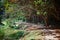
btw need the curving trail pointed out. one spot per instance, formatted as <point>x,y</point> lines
<point>39,32</point>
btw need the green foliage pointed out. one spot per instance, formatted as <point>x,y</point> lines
<point>10,34</point>
<point>45,13</point>
<point>1,33</point>
<point>14,12</point>
<point>38,13</point>
<point>38,2</point>
<point>41,7</point>
<point>32,39</point>
<point>17,35</point>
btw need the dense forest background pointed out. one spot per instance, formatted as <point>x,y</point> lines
<point>15,12</point>
<point>34,11</point>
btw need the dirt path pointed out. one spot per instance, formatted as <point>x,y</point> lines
<point>43,34</point>
<point>38,32</point>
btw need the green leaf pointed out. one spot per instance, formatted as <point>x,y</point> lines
<point>38,12</point>
<point>45,13</point>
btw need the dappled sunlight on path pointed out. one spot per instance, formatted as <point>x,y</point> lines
<point>43,34</point>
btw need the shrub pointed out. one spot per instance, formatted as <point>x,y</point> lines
<point>1,34</point>
<point>16,35</point>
